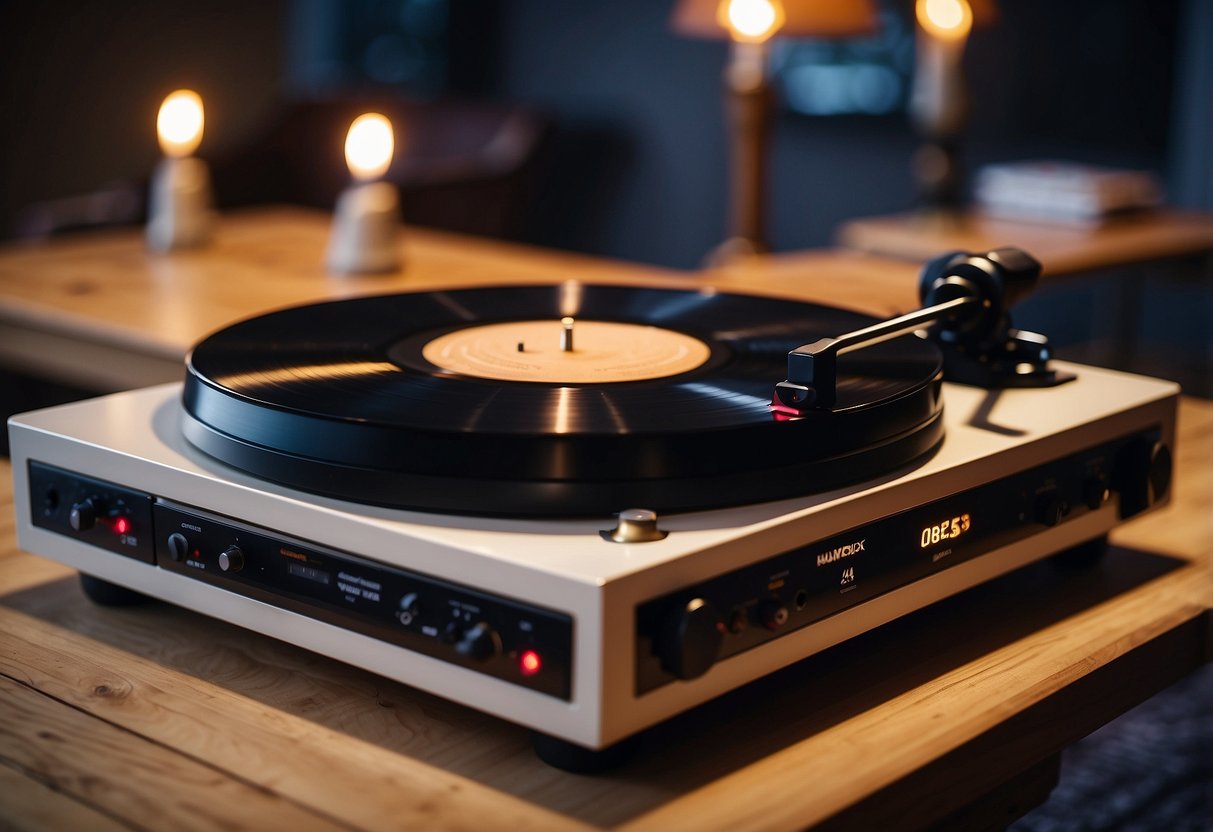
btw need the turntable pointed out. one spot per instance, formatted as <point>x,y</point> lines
<point>588,508</point>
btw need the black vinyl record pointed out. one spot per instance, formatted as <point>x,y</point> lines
<point>346,399</point>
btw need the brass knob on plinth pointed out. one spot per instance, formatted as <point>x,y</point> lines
<point>635,525</point>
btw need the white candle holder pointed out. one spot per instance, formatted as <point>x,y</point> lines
<point>366,230</point>
<point>180,213</point>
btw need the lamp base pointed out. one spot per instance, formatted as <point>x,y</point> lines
<point>939,173</point>
<point>734,249</point>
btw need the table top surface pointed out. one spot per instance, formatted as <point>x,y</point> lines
<point>157,717</point>
<point>1062,248</point>
<point>144,311</point>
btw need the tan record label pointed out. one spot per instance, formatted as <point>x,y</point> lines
<point>566,352</point>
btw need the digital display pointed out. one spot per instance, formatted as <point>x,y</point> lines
<point>949,529</point>
<point>308,572</point>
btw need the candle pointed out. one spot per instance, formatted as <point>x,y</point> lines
<point>938,101</point>
<point>179,200</point>
<point>367,219</point>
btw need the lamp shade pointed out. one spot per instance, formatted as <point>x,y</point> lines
<point>985,13</point>
<point>802,18</point>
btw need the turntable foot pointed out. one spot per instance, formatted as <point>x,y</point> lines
<point>105,594</point>
<point>578,759</point>
<point>1082,556</point>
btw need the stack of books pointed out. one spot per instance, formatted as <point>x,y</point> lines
<point>1063,191</point>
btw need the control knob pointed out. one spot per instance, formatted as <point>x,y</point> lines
<point>1141,475</point>
<point>231,559</point>
<point>1050,509</point>
<point>1096,491</point>
<point>178,546</point>
<point>479,642</point>
<point>689,642</point>
<point>83,515</point>
<point>410,608</point>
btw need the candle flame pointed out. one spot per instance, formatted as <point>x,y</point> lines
<point>752,21</point>
<point>179,123</point>
<point>369,146</point>
<point>947,19</point>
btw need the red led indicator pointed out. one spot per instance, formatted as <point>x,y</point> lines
<point>122,525</point>
<point>529,663</point>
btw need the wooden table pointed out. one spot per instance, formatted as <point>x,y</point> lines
<point>1061,248</point>
<point>100,312</point>
<point>155,717</point>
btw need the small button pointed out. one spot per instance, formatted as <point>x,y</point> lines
<point>739,621</point>
<point>1096,492</point>
<point>1050,509</point>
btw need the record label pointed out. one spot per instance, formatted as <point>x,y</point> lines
<point>566,351</point>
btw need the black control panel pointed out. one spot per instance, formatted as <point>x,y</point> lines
<point>93,511</point>
<point>682,634</point>
<point>517,642</point>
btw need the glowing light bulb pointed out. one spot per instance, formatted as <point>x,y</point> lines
<point>752,21</point>
<point>947,19</point>
<point>179,123</point>
<point>369,146</point>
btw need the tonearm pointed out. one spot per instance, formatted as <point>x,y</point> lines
<point>966,298</point>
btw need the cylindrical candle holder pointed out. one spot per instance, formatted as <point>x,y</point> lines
<point>180,214</point>
<point>366,226</point>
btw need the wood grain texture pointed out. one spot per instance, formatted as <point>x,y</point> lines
<point>32,805</point>
<point>100,312</point>
<point>122,775</point>
<point>108,285</point>
<point>251,710</point>
<point>1060,247</point>
<point>868,283</point>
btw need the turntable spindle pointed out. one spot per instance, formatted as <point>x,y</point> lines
<point>566,334</point>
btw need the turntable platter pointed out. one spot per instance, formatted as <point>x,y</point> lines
<point>553,400</point>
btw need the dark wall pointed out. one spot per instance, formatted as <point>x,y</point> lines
<point>639,163</point>
<point>638,167</point>
<point>81,82</point>
<point>635,167</point>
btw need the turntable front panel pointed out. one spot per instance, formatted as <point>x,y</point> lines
<point>563,564</point>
